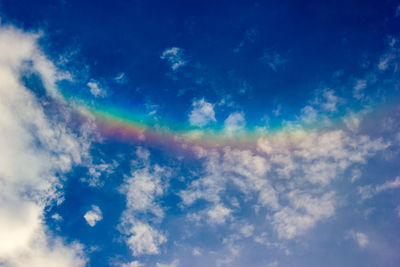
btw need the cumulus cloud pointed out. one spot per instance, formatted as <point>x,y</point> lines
<point>321,157</point>
<point>36,149</point>
<point>174,56</point>
<point>144,239</point>
<point>93,216</point>
<point>309,114</point>
<point>246,230</point>
<point>218,214</point>
<point>142,188</point>
<point>95,89</point>
<point>144,185</point>
<point>235,123</point>
<point>303,213</point>
<point>240,167</point>
<point>202,113</point>
<point>289,175</point>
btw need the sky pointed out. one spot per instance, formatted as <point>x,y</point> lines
<point>199,133</point>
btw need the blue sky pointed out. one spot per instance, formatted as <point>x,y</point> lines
<point>199,133</point>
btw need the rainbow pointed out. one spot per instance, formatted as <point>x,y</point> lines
<point>127,126</point>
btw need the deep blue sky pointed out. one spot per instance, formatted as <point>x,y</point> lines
<point>311,87</point>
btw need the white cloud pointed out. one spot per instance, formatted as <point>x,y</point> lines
<point>202,113</point>
<point>320,156</point>
<point>93,216</point>
<point>95,89</point>
<point>329,101</point>
<point>306,160</point>
<point>389,59</point>
<point>304,213</point>
<point>142,188</point>
<point>219,214</point>
<point>97,171</point>
<point>241,168</point>
<point>174,56</point>
<point>34,148</point>
<point>246,230</point>
<point>196,252</point>
<point>369,191</point>
<point>174,263</point>
<point>359,237</point>
<point>144,239</point>
<point>309,114</point>
<point>235,123</point>
<point>358,90</point>
<point>57,217</point>
<point>389,185</point>
<point>144,185</point>
<point>132,264</point>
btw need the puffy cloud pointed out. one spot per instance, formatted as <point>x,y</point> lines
<point>142,188</point>
<point>246,230</point>
<point>174,56</point>
<point>95,89</point>
<point>241,168</point>
<point>202,113</point>
<point>144,239</point>
<point>329,101</point>
<point>36,149</point>
<point>93,216</point>
<point>235,123</point>
<point>309,114</point>
<point>360,238</point>
<point>144,185</point>
<point>289,175</point>
<point>218,214</point>
<point>304,212</point>
<point>320,156</point>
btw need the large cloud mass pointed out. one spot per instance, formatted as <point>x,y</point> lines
<point>35,151</point>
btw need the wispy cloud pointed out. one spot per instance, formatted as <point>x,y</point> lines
<point>369,191</point>
<point>274,60</point>
<point>175,57</point>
